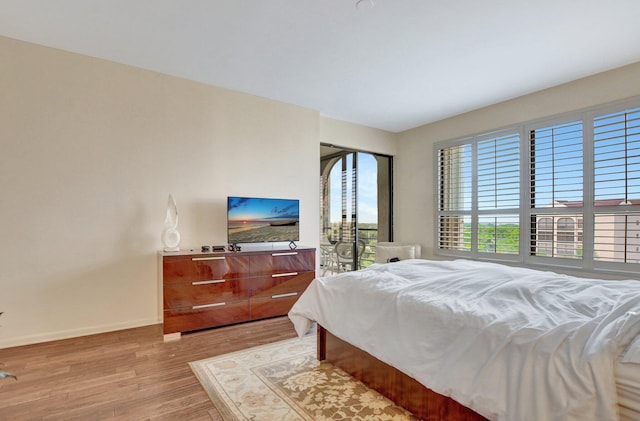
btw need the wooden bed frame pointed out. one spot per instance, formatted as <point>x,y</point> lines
<point>390,382</point>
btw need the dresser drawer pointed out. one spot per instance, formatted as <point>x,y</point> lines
<point>187,319</point>
<point>283,261</point>
<point>204,268</point>
<point>188,294</point>
<point>271,285</point>
<point>262,307</point>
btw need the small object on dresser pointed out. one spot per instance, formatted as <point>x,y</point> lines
<point>170,235</point>
<point>217,248</point>
<point>206,249</point>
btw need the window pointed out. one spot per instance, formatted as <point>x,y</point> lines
<point>578,175</point>
<point>556,187</point>
<point>479,195</point>
<point>616,146</point>
<point>455,232</point>
<point>557,237</point>
<point>454,197</point>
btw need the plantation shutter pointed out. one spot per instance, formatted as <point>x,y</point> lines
<point>578,176</point>
<point>454,197</point>
<point>616,146</point>
<point>498,194</point>
<point>556,190</point>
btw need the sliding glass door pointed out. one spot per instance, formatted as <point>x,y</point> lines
<point>356,207</point>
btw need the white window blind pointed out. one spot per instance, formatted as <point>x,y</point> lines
<point>557,236</point>
<point>579,176</point>
<point>498,190</point>
<point>454,232</point>
<point>498,178</point>
<point>498,234</point>
<point>556,190</point>
<point>556,165</point>
<point>454,173</point>
<point>617,237</point>
<point>454,197</point>
<point>616,146</point>
<point>479,195</point>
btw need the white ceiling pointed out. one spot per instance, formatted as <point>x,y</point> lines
<point>394,66</point>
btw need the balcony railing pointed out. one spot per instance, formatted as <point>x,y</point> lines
<point>369,235</point>
<point>370,238</point>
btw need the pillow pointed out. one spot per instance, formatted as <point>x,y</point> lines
<point>386,251</point>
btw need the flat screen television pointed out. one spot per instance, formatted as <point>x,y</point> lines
<point>259,220</point>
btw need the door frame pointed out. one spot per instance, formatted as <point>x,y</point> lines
<point>327,163</point>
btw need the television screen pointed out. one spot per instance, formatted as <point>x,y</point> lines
<point>257,220</point>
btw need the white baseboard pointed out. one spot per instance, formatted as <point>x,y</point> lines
<point>74,333</point>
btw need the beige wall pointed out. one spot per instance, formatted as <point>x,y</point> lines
<point>90,151</point>
<point>414,190</point>
<point>352,136</point>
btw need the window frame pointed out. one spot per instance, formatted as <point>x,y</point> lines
<point>448,213</point>
<point>585,216</point>
<point>553,212</point>
<point>598,265</point>
<point>474,213</point>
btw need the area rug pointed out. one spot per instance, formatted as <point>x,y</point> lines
<point>284,381</point>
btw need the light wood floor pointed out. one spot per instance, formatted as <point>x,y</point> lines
<point>126,375</point>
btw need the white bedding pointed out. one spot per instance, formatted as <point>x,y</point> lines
<point>510,343</point>
<point>628,386</point>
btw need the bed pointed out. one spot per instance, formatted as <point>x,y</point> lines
<point>465,340</point>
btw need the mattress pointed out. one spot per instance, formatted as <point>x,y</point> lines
<point>628,386</point>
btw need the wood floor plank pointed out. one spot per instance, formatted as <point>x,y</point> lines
<point>125,375</point>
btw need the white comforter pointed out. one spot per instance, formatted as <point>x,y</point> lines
<point>511,343</point>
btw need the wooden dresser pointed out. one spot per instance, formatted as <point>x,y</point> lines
<point>202,290</point>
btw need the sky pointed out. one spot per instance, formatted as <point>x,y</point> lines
<point>367,190</point>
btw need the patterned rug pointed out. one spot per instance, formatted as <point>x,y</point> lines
<point>284,381</point>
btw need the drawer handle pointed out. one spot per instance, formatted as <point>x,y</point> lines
<point>277,275</point>
<point>288,253</point>
<point>196,259</point>
<point>207,306</point>
<point>290,294</point>
<point>214,281</point>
